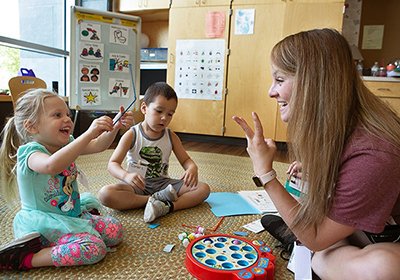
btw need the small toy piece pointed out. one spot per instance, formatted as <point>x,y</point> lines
<point>186,238</point>
<point>168,248</point>
<point>200,231</point>
<point>207,229</point>
<point>240,233</point>
<point>183,237</point>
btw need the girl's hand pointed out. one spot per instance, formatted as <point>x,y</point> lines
<point>190,177</point>
<point>295,169</point>
<point>134,180</point>
<point>126,120</point>
<point>100,125</point>
<point>261,150</point>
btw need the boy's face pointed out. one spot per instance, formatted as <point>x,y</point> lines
<point>158,114</point>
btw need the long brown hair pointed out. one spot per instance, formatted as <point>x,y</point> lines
<point>328,101</point>
<point>28,108</point>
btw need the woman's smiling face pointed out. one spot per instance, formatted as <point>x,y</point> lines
<point>281,89</point>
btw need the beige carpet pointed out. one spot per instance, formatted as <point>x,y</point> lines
<point>141,254</point>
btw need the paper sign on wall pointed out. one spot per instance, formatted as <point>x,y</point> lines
<point>199,72</point>
<point>244,21</point>
<point>372,37</point>
<point>215,24</point>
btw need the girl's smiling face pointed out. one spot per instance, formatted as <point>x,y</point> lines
<point>281,89</point>
<point>54,126</point>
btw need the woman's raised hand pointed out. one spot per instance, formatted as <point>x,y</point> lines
<point>261,150</point>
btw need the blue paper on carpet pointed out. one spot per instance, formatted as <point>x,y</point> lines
<point>242,203</point>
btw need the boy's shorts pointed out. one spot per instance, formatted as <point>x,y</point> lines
<point>154,185</point>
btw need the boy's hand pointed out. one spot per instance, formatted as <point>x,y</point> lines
<point>190,177</point>
<point>134,180</point>
<point>100,125</point>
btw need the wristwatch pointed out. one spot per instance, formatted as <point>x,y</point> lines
<point>264,179</point>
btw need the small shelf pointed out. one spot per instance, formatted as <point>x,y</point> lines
<point>150,15</point>
<point>380,79</point>
<point>153,65</point>
<point>5,98</point>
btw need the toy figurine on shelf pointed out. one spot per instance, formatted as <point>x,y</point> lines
<point>375,69</point>
<point>393,69</point>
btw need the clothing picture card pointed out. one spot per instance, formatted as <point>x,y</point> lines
<point>255,226</point>
<point>260,200</point>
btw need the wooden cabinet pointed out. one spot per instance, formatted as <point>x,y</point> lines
<point>154,15</point>
<point>194,115</point>
<point>304,15</point>
<point>248,69</point>
<point>247,74</point>
<point>139,5</point>
<point>198,3</point>
<point>387,91</point>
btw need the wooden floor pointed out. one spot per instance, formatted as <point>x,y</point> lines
<point>233,149</point>
<point>221,145</point>
<point>217,148</point>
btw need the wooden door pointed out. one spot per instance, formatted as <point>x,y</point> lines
<point>303,15</point>
<point>309,14</point>
<point>249,76</point>
<point>195,115</point>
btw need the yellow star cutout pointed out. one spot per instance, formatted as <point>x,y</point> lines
<point>90,98</point>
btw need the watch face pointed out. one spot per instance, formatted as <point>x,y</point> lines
<point>257,181</point>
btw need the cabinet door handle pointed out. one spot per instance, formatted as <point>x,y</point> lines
<point>171,58</point>
<point>203,1</point>
<point>197,2</point>
<point>384,89</point>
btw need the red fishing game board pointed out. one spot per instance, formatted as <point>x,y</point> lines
<point>222,256</point>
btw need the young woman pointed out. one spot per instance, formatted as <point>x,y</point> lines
<point>346,143</point>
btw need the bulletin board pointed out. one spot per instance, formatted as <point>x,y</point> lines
<point>105,60</point>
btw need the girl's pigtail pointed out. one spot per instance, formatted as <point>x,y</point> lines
<point>8,157</point>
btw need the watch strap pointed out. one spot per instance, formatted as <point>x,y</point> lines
<point>262,180</point>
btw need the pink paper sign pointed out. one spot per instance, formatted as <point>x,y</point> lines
<point>215,24</point>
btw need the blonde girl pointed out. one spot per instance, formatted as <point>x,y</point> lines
<point>54,226</point>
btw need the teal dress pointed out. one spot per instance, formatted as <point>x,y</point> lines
<point>50,204</point>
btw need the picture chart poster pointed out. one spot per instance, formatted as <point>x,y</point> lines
<point>105,60</point>
<point>199,72</point>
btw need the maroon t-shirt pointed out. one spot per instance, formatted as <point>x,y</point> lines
<point>368,188</point>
